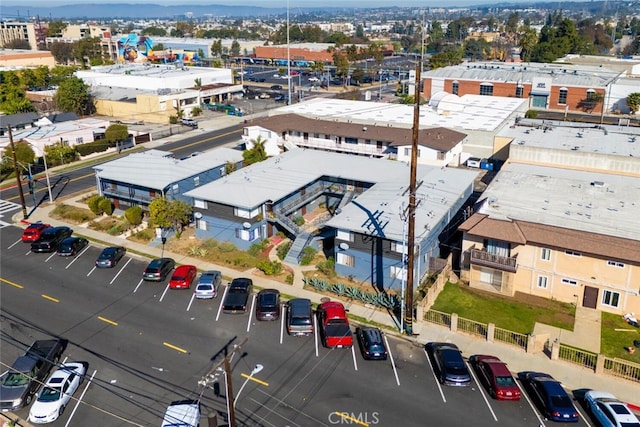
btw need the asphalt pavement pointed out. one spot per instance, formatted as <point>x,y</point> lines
<point>572,376</point>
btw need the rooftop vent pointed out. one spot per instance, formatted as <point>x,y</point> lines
<point>597,183</point>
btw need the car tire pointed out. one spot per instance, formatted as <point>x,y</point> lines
<point>61,411</point>
<point>28,399</point>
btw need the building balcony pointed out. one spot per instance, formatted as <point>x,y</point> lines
<point>329,145</point>
<point>485,259</point>
<point>141,198</point>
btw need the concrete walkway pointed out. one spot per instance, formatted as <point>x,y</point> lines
<point>587,326</point>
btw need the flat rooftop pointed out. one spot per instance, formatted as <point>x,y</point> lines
<point>586,201</point>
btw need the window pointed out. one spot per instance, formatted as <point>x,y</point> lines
<point>572,253</point>
<point>569,282</point>
<point>486,89</point>
<point>407,152</point>
<point>345,235</point>
<point>615,264</point>
<point>397,272</point>
<point>399,247</point>
<point>202,224</point>
<point>545,254</point>
<point>542,282</point>
<point>176,188</point>
<point>79,140</point>
<point>455,87</point>
<point>610,298</point>
<point>562,96</point>
<point>245,213</point>
<point>519,91</point>
<point>344,259</point>
<point>202,204</point>
<point>248,235</point>
<point>591,94</point>
<point>441,155</point>
<point>350,140</point>
<point>196,181</point>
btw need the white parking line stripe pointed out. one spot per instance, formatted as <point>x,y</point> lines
<point>80,398</point>
<point>224,294</point>
<point>393,363</point>
<point>165,292</point>
<point>484,395</point>
<point>138,285</point>
<point>28,252</point>
<point>533,408</point>
<point>92,270</point>
<point>13,244</point>
<point>123,267</point>
<point>193,296</point>
<point>444,399</point>
<point>353,353</point>
<point>282,316</point>
<point>315,332</point>
<point>50,256</point>
<point>76,257</point>
<point>253,303</point>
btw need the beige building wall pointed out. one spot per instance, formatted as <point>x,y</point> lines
<point>21,58</point>
<point>10,31</point>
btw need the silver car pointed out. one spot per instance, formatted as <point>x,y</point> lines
<point>208,284</point>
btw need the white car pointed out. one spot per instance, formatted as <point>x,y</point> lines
<point>57,392</point>
<point>610,411</point>
<point>314,79</point>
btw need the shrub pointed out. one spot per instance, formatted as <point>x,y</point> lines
<point>173,120</point>
<point>327,267</point>
<point>94,204</point>
<point>257,248</point>
<point>308,253</point>
<point>93,147</point>
<point>283,249</point>
<point>270,268</point>
<point>531,114</point>
<point>196,111</point>
<point>226,247</point>
<point>134,215</point>
<point>289,279</point>
<point>72,213</point>
<point>146,235</point>
<point>106,206</point>
<point>299,221</point>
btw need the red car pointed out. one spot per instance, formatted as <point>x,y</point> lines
<point>183,277</point>
<point>495,375</point>
<point>32,232</point>
<point>334,325</point>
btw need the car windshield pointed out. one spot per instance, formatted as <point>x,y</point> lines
<point>178,278</point>
<point>49,394</point>
<point>107,253</point>
<point>300,321</point>
<point>14,379</point>
<point>65,247</point>
<point>505,381</point>
<point>268,300</point>
<point>561,401</point>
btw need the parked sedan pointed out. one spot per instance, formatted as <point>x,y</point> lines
<point>32,232</point>
<point>110,256</point>
<point>183,277</point>
<point>158,269</point>
<point>371,343</point>
<point>549,393</point>
<point>268,304</point>
<point>448,361</point>
<point>610,411</point>
<point>71,246</point>
<point>208,284</point>
<point>57,392</point>
<point>495,375</point>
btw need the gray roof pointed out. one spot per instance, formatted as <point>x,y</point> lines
<point>562,74</point>
<point>14,120</point>
<point>585,201</point>
<point>277,177</point>
<point>156,169</point>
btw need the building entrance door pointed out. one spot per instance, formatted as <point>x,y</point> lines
<point>590,297</point>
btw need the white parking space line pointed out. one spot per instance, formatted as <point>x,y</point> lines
<point>582,416</point>
<point>224,294</point>
<point>315,332</point>
<point>393,363</point>
<point>14,243</point>
<point>28,252</point>
<point>138,285</point>
<point>353,353</point>
<point>165,292</point>
<point>92,270</point>
<point>253,304</point>
<point>123,267</point>
<point>193,297</point>
<point>482,392</point>
<point>282,316</point>
<point>50,256</point>
<point>533,408</point>
<point>444,399</point>
<point>80,399</point>
<point>76,257</point>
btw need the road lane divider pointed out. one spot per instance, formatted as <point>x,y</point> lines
<point>351,419</point>
<point>249,377</point>
<point>9,282</point>
<point>175,347</point>
<point>47,297</point>
<point>105,320</point>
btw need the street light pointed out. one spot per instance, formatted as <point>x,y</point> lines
<point>256,369</point>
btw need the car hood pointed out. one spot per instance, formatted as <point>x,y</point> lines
<point>8,393</point>
<point>40,409</point>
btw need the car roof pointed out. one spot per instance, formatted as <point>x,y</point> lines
<point>185,267</point>
<point>159,261</point>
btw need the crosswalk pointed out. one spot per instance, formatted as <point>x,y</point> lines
<point>5,208</point>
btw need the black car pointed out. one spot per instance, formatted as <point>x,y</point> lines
<point>371,343</point>
<point>71,246</point>
<point>158,269</point>
<point>268,307</point>
<point>110,256</point>
<point>276,87</point>
<point>237,295</point>
<point>50,239</point>
<point>448,361</point>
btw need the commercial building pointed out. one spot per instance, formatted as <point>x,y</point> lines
<point>12,30</point>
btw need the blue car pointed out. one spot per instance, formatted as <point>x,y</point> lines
<point>448,363</point>
<point>556,403</point>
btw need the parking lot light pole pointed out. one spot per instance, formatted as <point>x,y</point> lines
<point>256,369</point>
<point>46,171</point>
<point>17,173</point>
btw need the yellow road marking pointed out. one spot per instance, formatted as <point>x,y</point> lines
<point>50,298</point>
<point>266,384</point>
<point>176,348</point>
<point>350,418</point>
<point>111,322</point>
<point>8,282</point>
<point>206,140</point>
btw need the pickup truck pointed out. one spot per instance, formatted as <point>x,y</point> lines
<point>237,296</point>
<point>23,380</point>
<point>334,325</point>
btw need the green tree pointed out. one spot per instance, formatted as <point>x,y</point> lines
<point>133,215</point>
<point>154,31</point>
<point>341,63</point>
<point>56,28</point>
<point>24,153</point>
<point>527,41</point>
<point>158,47</point>
<point>216,48</point>
<point>255,154</point>
<point>73,96</point>
<point>169,214</point>
<point>116,133</point>
<point>477,50</point>
<point>59,153</point>
<point>633,101</point>
<point>62,52</point>
<point>18,44</point>
<point>13,98</point>
<point>235,48</point>
<point>159,212</point>
<point>106,206</point>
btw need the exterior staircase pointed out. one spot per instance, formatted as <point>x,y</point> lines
<point>298,245</point>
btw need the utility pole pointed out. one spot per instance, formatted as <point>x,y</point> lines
<point>214,373</point>
<point>411,210</point>
<point>17,172</point>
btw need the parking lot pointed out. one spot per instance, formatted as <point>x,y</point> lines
<point>148,345</point>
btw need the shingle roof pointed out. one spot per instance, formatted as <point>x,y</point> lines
<point>440,139</point>
<point>17,119</point>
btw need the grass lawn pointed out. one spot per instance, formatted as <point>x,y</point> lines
<point>518,314</point>
<point>617,334</point>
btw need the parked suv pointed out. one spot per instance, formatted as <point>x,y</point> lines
<point>208,284</point>
<point>50,239</point>
<point>299,317</point>
<point>158,269</point>
<point>189,122</point>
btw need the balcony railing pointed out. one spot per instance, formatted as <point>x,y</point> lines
<point>499,262</point>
